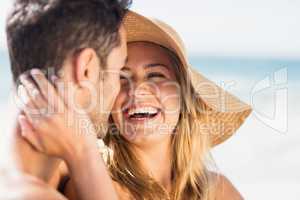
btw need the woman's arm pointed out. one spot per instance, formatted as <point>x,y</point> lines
<point>70,191</point>
<point>89,177</point>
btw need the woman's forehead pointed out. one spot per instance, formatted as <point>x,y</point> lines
<point>148,55</point>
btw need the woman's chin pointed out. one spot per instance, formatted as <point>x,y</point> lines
<point>144,137</point>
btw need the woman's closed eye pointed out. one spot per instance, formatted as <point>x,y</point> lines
<point>156,75</point>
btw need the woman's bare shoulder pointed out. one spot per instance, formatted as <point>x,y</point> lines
<point>225,190</point>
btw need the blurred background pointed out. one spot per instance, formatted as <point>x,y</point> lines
<point>250,48</point>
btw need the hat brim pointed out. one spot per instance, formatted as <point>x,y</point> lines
<point>226,112</point>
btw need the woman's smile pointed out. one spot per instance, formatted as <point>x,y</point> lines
<point>141,113</point>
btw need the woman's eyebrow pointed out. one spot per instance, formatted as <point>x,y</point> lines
<point>157,65</point>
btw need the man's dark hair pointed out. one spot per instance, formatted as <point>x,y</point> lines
<point>42,33</point>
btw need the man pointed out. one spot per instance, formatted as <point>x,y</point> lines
<point>83,41</point>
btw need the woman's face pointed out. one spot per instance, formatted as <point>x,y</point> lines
<point>148,106</point>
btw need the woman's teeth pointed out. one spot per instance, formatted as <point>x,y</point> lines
<point>144,112</point>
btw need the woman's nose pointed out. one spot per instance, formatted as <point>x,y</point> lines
<point>141,89</point>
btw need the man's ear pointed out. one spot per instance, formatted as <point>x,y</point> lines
<point>87,66</point>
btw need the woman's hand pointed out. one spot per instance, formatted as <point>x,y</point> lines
<point>57,133</point>
<point>50,124</point>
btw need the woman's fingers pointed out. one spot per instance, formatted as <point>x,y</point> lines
<point>27,105</point>
<point>28,132</point>
<point>34,94</point>
<point>47,89</point>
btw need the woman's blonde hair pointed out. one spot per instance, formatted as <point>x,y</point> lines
<point>190,148</point>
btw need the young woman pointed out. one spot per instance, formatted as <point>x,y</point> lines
<point>164,122</point>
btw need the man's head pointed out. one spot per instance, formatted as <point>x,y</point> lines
<point>84,39</point>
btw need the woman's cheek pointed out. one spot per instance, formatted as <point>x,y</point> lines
<point>170,98</point>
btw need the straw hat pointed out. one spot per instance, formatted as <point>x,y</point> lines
<point>226,112</point>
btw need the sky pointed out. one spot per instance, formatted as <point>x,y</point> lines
<point>232,27</point>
